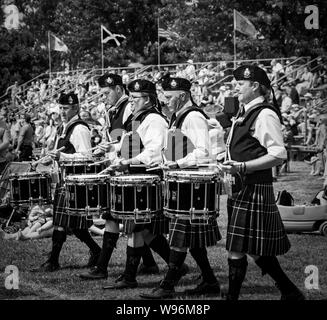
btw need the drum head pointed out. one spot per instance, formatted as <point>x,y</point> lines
<point>29,175</point>
<point>87,177</point>
<point>191,175</point>
<point>135,179</point>
<point>77,162</point>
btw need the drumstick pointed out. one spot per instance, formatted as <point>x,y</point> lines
<point>41,159</point>
<point>163,167</point>
<point>96,147</point>
<point>106,169</point>
<point>98,162</point>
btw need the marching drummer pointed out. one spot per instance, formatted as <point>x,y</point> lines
<point>74,140</point>
<point>120,110</point>
<point>190,122</point>
<point>151,126</point>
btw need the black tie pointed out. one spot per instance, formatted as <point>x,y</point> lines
<point>172,120</point>
<point>241,112</point>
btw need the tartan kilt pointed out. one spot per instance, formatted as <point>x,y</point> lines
<point>184,234</point>
<point>254,222</point>
<point>60,216</point>
<point>158,225</point>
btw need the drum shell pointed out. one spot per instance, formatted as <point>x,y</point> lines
<point>30,187</point>
<point>89,193</point>
<point>130,196</point>
<point>187,192</point>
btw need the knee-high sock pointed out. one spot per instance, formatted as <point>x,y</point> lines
<point>133,257</point>
<point>147,257</point>
<point>160,245</point>
<point>176,259</point>
<point>108,244</point>
<point>201,257</point>
<point>237,272</point>
<point>58,239</point>
<point>84,236</point>
<point>271,266</point>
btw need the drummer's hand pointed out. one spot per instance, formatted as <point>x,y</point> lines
<point>47,161</point>
<point>106,147</point>
<point>172,165</point>
<point>120,165</point>
<point>98,152</point>
<point>230,166</point>
<point>55,155</point>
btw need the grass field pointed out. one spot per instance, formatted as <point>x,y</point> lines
<point>307,249</point>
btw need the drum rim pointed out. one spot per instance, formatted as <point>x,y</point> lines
<point>126,179</point>
<point>28,174</point>
<point>86,176</point>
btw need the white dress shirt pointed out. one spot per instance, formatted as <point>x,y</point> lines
<point>267,129</point>
<point>153,133</point>
<point>195,128</point>
<point>80,139</point>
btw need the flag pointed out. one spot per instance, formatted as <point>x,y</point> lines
<point>169,35</point>
<point>192,3</point>
<point>244,25</point>
<point>56,44</point>
<point>113,38</point>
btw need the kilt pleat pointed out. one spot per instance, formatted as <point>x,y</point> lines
<point>158,225</point>
<point>184,234</point>
<point>254,222</point>
<point>66,220</point>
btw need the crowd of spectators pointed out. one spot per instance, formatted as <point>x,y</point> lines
<point>299,91</point>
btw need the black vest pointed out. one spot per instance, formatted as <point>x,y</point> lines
<point>132,145</point>
<point>179,145</point>
<point>116,119</point>
<point>64,141</point>
<point>245,147</point>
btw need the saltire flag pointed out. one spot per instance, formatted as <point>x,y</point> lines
<point>244,25</point>
<point>166,34</point>
<point>192,2</point>
<point>113,38</point>
<point>56,44</point>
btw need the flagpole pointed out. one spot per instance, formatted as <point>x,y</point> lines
<point>234,40</point>
<point>158,40</point>
<point>49,47</point>
<point>102,60</point>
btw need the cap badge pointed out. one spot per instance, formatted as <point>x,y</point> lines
<point>109,80</point>
<point>247,73</point>
<point>70,100</point>
<point>136,86</point>
<point>173,84</point>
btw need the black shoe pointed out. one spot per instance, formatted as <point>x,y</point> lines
<point>94,274</point>
<point>158,293</point>
<point>93,260</point>
<point>143,269</point>
<point>122,283</point>
<point>204,288</point>
<point>47,267</point>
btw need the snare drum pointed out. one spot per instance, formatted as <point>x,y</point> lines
<point>136,197</point>
<point>87,194</point>
<point>80,166</point>
<point>191,195</point>
<point>30,187</point>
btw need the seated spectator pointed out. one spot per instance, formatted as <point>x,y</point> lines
<point>277,70</point>
<point>305,81</point>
